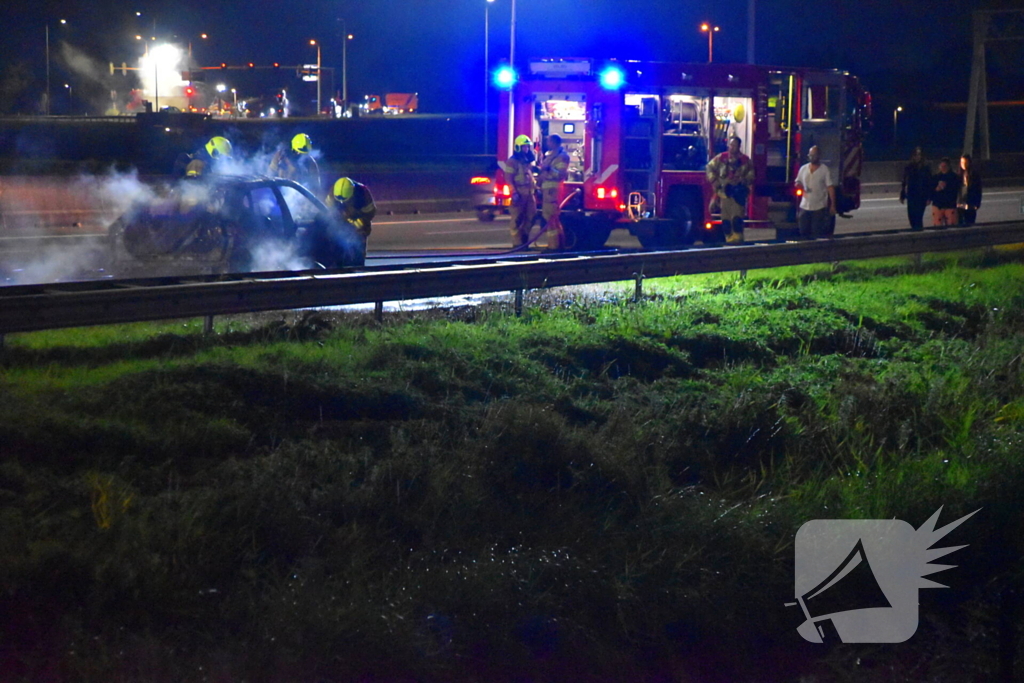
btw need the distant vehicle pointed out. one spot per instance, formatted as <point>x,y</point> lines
<point>234,224</point>
<point>392,103</point>
<point>488,199</point>
<point>401,103</point>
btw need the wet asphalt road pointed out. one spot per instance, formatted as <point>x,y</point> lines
<point>45,241</point>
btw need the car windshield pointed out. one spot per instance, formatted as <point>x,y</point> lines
<point>301,207</point>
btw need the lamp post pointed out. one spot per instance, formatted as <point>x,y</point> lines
<point>895,123</point>
<point>318,74</point>
<point>511,97</point>
<point>47,107</point>
<point>711,31</point>
<point>71,101</point>
<point>234,94</point>
<point>487,72</point>
<point>344,69</point>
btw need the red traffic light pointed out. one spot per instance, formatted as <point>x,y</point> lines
<point>190,91</point>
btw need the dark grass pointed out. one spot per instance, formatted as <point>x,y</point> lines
<point>597,491</point>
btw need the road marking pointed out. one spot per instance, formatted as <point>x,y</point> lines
<point>57,237</point>
<point>462,232</point>
<point>431,220</point>
<point>986,194</point>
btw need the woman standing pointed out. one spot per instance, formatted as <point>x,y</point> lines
<point>969,195</point>
<point>944,195</point>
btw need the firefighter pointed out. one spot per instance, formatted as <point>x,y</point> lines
<point>523,207</point>
<point>297,163</point>
<point>205,159</point>
<point>354,202</point>
<point>554,170</point>
<point>731,174</point>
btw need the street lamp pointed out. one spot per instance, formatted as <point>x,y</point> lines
<point>487,71</point>
<point>234,94</point>
<point>318,74</point>
<point>70,100</point>
<point>711,31</point>
<point>344,69</point>
<point>47,108</point>
<point>895,123</point>
<point>511,97</point>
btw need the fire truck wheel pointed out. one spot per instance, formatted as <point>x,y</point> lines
<point>584,233</point>
<point>685,210</point>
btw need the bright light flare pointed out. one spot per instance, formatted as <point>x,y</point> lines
<point>505,77</point>
<point>162,67</point>
<point>613,78</point>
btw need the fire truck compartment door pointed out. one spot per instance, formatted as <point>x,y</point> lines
<point>823,100</point>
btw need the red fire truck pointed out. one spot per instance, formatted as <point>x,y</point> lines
<point>640,134</point>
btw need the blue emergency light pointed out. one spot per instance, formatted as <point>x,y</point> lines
<point>613,78</point>
<point>505,77</point>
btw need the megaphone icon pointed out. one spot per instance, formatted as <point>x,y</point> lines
<point>851,586</point>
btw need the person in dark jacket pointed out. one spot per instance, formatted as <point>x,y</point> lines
<point>945,185</point>
<point>916,189</point>
<point>969,194</point>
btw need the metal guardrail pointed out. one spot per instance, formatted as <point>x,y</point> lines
<point>40,307</point>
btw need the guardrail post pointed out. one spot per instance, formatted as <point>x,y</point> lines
<point>378,311</point>
<point>638,290</point>
<point>519,303</point>
<point>208,325</point>
<point>917,260</point>
<point>743,275</point>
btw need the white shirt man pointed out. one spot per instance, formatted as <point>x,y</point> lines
<point>818,203</point>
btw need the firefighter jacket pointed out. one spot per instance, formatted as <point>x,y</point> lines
<point>301,168</point>
<point>725,170</point>
<point>554,170</point>
<point>358,209</point>
<point>520,176</point>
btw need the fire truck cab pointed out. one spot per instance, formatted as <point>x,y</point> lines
<point>640,134</point>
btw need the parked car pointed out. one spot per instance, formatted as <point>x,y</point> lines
<point>234,224</point>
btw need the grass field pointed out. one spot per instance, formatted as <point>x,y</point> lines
<point>599,490</point>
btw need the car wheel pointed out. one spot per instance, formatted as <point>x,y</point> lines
<point>485,215</point>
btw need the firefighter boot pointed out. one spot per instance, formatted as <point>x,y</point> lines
<point>735,235</point>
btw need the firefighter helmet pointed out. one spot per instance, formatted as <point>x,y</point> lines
<point>218,147</point>
<point>302,144</point>
<point>344,189</point>
<point>523,141</point>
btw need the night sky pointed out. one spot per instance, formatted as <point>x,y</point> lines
<point>912,47</point>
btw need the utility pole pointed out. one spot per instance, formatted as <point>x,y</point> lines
<point>989,26</point>
<point>511,96</point>
<point>751,12</point>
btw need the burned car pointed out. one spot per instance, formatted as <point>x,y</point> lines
<point>233,224</point>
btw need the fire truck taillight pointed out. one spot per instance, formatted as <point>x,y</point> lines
<point>708,226</point>
<point>603,192</point>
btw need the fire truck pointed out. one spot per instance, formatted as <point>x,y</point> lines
<point>640,134</point>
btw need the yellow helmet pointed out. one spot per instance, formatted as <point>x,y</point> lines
<point>218,147</point>
<point>522,141</point>
<point>344,189</point>
<point>302,144</point>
